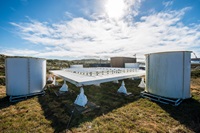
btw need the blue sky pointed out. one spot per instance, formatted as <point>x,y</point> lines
<point>77,29</point>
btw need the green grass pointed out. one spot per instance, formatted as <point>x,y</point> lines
<point>117,113</point>
<point>195,73</point>
<point>2,80</point>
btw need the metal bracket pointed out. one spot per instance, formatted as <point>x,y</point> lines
<point>23,97</point>
<point>81,99</point>
<point>174,102</point>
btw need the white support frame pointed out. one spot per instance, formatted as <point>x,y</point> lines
<point>81,77</point>
<point>142,84</point>
<point>81,99</point>
<point>94,76</point>
<point>122,88</point>
<point>64,87</point>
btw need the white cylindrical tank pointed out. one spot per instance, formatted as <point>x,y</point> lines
<point>132,65</point>
<point>25,76</point>
<point>76,66</point>
<point>168,74</point>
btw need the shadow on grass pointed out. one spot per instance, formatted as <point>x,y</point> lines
<point>187,113</point>
<point>4,102</point>
<point>57,109</point>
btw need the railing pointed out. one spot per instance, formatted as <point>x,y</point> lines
<point>100,71</point>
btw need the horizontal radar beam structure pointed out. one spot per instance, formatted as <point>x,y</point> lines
<point>90,76</point>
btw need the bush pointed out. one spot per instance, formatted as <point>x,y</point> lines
<point>2,81</point>
<point>195,74</point>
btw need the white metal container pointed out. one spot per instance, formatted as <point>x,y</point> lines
<point>25,76</point>
<point>132,65</point>
<point>168,74</point>
<point>76,66</point>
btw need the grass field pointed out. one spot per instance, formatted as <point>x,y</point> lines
<point>117,113</point>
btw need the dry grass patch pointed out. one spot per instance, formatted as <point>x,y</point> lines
<point>117,113</point>
<point>139,116</point>
<point>24,116</point>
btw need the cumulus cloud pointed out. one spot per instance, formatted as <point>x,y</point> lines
<point>104,37</point>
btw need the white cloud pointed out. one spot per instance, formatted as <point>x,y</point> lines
<point>168,3</point>
<point>69,15</point>
<point>19,52</point>
<point>104,37</point>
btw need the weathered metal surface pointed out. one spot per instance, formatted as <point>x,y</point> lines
<point>168,74</point>
<point>25,76</point>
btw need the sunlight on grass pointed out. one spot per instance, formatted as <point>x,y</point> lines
<point>117,113</point>
<point>25,116</point>
<point>139,116</point>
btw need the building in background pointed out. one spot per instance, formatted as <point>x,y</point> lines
<point>120,61</point>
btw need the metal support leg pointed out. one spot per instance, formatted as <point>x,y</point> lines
<point>64,87</point>
<point>97,85</point>
<point>142,84</point>
<point>54,81</point>
<point>50,79</point>
<point>122,88</point>
<point>81,99</point>
<point>116,81</point>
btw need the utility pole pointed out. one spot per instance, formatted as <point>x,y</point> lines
<point>134,55</point>
<point>195,55</point>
